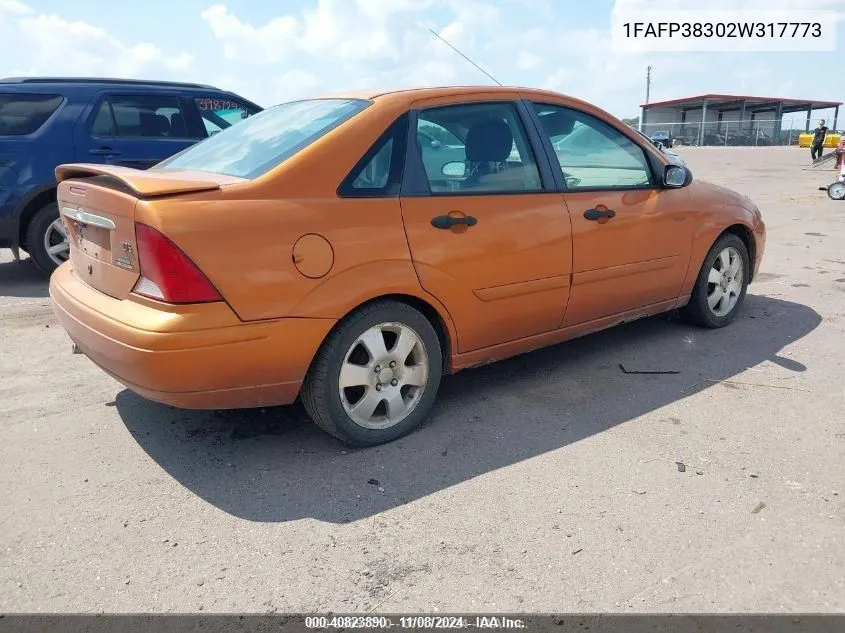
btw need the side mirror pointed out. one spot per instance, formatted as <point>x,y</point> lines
<point>454,169</point>
<point>658,145</point>
<point>675,176</point>
<point>435,144</point>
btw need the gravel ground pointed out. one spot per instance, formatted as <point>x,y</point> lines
<point>545,482</point>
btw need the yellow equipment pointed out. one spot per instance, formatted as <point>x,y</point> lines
<point>805,139</point>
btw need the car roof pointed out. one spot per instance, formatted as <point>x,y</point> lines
<point>98,82</point>
<point>409,95</point>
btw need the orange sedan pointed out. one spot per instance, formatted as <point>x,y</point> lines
<point>351,250</point>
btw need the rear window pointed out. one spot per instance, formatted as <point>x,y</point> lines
<point>261,142</point>
<point>22,114</point>
<point>219,114</point>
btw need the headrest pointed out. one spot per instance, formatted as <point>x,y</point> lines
<point>162,123</point>
<point>489,141</point>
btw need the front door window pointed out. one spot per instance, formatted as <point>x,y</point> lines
<point>591,153</point>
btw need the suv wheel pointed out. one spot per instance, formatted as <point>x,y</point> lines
<point>46,239</point>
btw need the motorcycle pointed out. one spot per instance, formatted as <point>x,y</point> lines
<point>836,191</point>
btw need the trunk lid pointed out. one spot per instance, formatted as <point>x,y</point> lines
<point>97,205</point>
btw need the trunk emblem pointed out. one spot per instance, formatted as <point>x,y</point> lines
<point>127,247</point>
<point>123,262</point>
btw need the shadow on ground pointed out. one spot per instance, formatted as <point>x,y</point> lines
<point>274,465</point>
<point>22,279</point>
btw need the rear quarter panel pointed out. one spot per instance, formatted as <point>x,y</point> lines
<point>245,247</point>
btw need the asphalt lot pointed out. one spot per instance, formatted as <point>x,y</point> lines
<point>546,482</point>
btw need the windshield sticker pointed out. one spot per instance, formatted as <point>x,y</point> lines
<point>206,104</point>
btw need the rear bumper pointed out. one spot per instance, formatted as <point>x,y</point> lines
<point>197,356</point>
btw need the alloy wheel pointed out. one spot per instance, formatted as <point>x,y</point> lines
<point>724,282</point>
<point>383,375</point>
<point>56,243</point>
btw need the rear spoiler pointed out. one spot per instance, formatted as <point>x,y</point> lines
<point>147,184</point>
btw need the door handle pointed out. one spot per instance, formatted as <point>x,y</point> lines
<point>447,221</point>
<point>103,151</point>
<point>596,214</point>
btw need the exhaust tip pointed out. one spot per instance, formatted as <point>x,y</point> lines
<point>74,349</point>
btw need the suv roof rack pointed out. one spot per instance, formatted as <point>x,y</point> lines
<point>101,80</point>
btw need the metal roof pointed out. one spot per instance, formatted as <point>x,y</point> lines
<point>717,100</point>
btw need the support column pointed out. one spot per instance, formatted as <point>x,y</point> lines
<point>703,121</point>
<point>754,130</point>
<point>643,117</point>
<point>778,122</point>
<point>809,116</point>
<point>835,119</point>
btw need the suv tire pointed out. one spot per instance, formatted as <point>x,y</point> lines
<point>45,228</point>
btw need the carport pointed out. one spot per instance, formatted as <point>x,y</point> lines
<point>732,119</point>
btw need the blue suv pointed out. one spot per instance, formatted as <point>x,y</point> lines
<point>45,122</point>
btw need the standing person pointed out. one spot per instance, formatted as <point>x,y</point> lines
<point>819,135</point>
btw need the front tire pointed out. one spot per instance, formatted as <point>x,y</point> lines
<point>376,376</point>
<point>720,289</point>
<point>836,191</point>
<point>46,239</point>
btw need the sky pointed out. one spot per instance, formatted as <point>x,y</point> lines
<point>279,50</point>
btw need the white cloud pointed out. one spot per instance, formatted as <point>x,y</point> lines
<point>269,43</point>
<point>13,7</point>
<point>382,43</point>
<point>332,45</point>
<point>296,83</point>
<point>369,43</point>
<point>331,29</point>
<point>472,19</point>
<point>763,6</point>
<point>93,50</point>
<point>528,61</point>
<point>541,9</point>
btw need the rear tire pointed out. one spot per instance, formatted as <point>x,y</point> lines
<point>46,239</point>
<point>376,376</point>
<point>719,291</point>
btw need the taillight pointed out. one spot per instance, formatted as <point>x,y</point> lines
<point>167,274</point>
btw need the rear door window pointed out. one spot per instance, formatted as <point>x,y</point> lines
<point>218,114</point>
<point>22,114</point>
<point>140,116</point>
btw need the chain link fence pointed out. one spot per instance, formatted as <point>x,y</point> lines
<point>725,133</point>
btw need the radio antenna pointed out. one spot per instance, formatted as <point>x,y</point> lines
<point>464,56</point>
